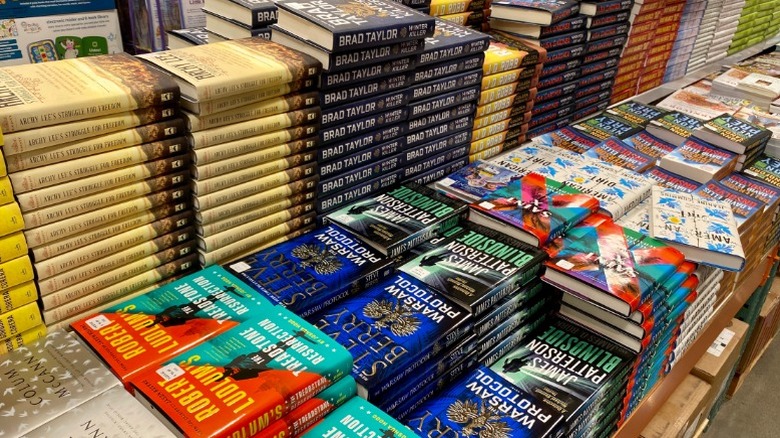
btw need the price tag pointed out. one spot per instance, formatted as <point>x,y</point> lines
<point>720,344</point>
<point>170,372</point>
<point>240,266</point>
<point>98,322</point>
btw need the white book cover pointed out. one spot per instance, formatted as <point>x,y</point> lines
<point>115,413</point>
<point>695,105</point>
<point>763,85</point>
<point>704,230</point>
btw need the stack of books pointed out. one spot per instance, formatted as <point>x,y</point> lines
<point>181,38</point>
<point>510,76</point>
<point>358,417</point>
<point>690,20</point>
<point>728,20</point>
<point>767,171</point>
<point>100,177</point>
<point>236,19</point>
<point>365,98</point>
<point>441,106</point>
<point>525,380</point>
<point>759,21</point>
<point>558,28</point>
<point>709,21</point>
<point>473,14</point>
<point>252,125</point>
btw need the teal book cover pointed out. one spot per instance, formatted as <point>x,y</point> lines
<point>359,418</point>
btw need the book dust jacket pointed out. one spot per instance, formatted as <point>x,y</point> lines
<point>244,379</point>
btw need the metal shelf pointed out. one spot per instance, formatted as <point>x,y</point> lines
<point>647,409</point>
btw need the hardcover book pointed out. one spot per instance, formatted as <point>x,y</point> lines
<point>649,144</point>
<point>610,265</point>
<point>400,219</point>
<point>482,403</point>
<point>346,25</point>
<point>253,13</point>
<point>533,209</point>
<point>537,31</point>
<point>704,230</point>
<point>531,368</point>
<point>474,181</point>
<point>274,362</point>
<point>567,138</point>
<point>695,104</point>
<point>450,41</point>
<point>542,12</point>
<point>605,125</point>
<point>594,9</point>
<point>674,127</point>
<point>310,272</point>
<point>166,321</point>
<point>392,329</point>
<point>59,371</point>
<point>636,112</point>
<point>621,154</point>
<point>733,134</point>
<point>699,161</point>
<point>746,209</point>
<point>769,194</point>
<point>476,267</point>
<point>358,417</point>
<point>246,65</point>
<point>672,180</point>
<point>766,169</point>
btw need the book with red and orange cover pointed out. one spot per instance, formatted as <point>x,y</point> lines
<point>240,381</point>
<point>142,332</point>
<point>613,266</point>
<point>533,209</point>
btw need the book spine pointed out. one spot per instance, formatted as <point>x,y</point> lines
<point>19,320</point>
<point>300,189</point>
<point>439,172</point>
<point>120,289</point>
<point>421,167</point>
<point>91,147</point>
<point>445,85</point>
<point>15,272</point>
<point>399,31</point>
<point>374,54</point>
<point>67,294</point>
<point>345,78</point>
<point>428,134</point>
<point>88,203</point>
<point>331,202</point>
<point>254,187</point>
<point>386,135</point>
<point>12,246</point>
<point>448,68</point>
<point>47,176</point>
<point>147,217</point>
<point>230,179</point>
<point>294,205</point>
<point>351,93</point>
<point>242,231</point>
<point>25,141</point>
<point>252,128</point>
<point>372,105</point>
<point>17,296</point>
<point>250,97</point>
<point>270,107</point>
<point>24,338</point>
<point>68,227</point>
<point>255,242</point>
<point>272,145</point>
<point>417,153</point>
<point>457,7</point>
<point>6,190</point>
<point>104,264</point>
<point>359,159</point>
<point>358,176</point>
<point>356,127</point>
<point>445,115</point>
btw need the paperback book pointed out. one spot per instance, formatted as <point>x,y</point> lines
<point>400,219</point>
<point>699,161</point>
<point>533,209</point>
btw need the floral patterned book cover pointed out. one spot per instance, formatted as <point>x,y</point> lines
<point>704,230</point>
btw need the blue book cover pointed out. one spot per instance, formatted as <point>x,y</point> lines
<point>557,68</point>
<point>366,107</point>
<point>483,403</point>
<point>353,92</point>
<point>369,155</point>
<point>599,65</point>
<point>447,84</point>
<point>340,25</point>
<point>360,175</point>
<point>450,67</point>
<point>444,115</point>
<point>420,152</point>
<point>330,80</point>
<point>326,204</point>
<point>311,271</point>
<point>477,267</point>
<point>391,136</point>
<point>393,329</point>
<point>451,40</point>
<point>616,152</point>
<point>476,180</point>
<point>745,207</point>
<point>671,180</point>
<point>414,169</point>
<point>358,417</point>
<point>356,127</point>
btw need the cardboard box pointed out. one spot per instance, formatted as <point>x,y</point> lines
<point>719,361</point>
<point>682,413</point>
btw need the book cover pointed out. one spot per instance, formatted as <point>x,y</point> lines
<point>636,112</point>
<point>672,180</point>
<point>704,230</point>
<point>611,265</point>
<point>273,363</point>
<point>358,417</point>
<point>400,219</point>
<point>484,403</point>
<point>392,329</point>
<point>476,267</point>
<point>766,169</point>
<point>558,68</point>
<point>540,209</point>
<point>695,105</point>
<point>530,53</point>
<point>767,193</point>
<point>616,152</point>
<point>337,79</point>
<point>58,372</point>
<point>353,194</point>
<point>674,127</point>
<point>544,12</point>
<point>699,161</point>
<point>746,208</point>
<point>248,64</point>
<point>346,25</point>
<point>649,144</point>
<point>531,367</point>
<point>605,125</point>
<point>476,180</point>
<point>567,138</point>
<point>733,134</point>
<point>450,41</point>
<point>164,322</point>
<point>443,69</point>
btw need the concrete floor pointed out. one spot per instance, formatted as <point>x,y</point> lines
<point>754,411</point>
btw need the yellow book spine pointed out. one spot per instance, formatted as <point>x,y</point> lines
<point>19,320</point>
<point>18,296</point>
<point>6,190</point>
<point>12,246</point>
<point>3,169</point>
<point>15,272</point>
<point>24,338</point>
